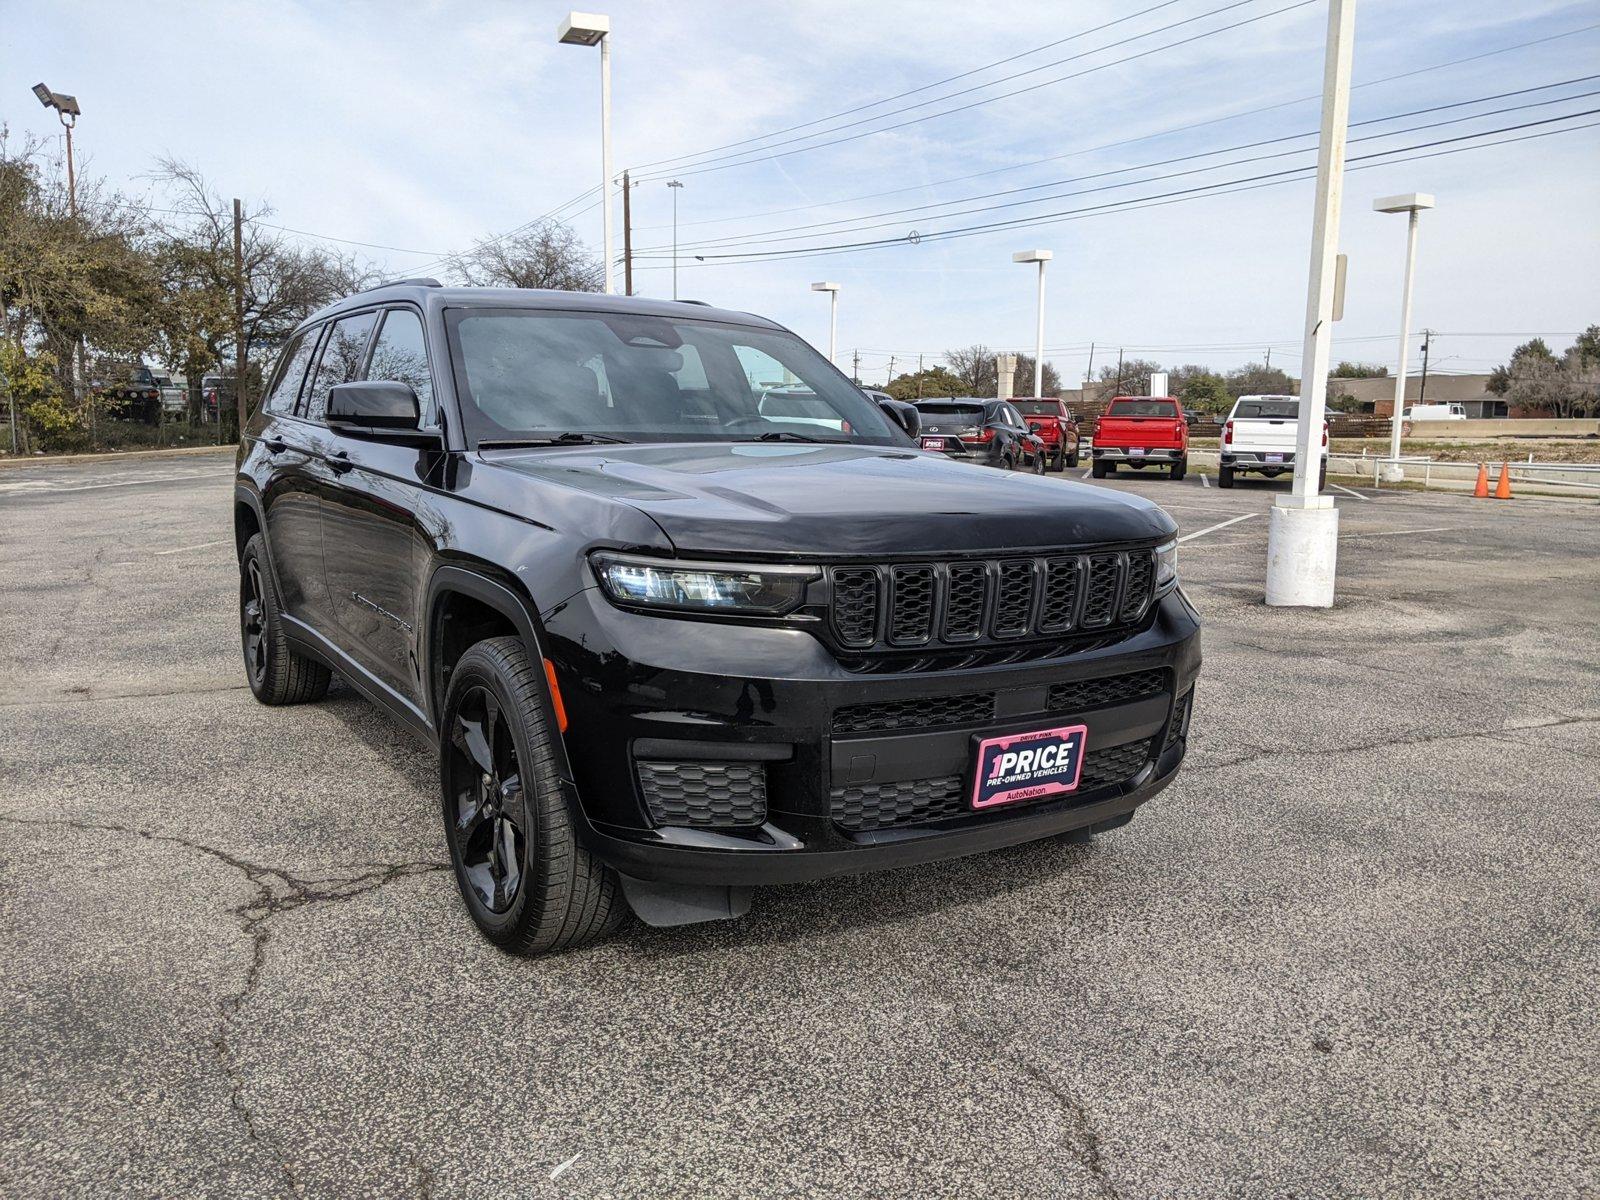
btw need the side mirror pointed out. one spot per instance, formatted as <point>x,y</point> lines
<point>373,405</point>
<point>904,415</point>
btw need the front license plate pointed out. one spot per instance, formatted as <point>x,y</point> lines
<point>1136,452</point>
<point>1274,458</point>
<point>1027,766</point>
<point>932,443</point>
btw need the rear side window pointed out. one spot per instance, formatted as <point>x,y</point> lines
<point>1142,408</point>
<point>291,371</point>
<point>1039,408</point>
<point>401,354</point>
<point>341,360</point>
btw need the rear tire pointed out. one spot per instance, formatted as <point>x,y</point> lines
<point>1181,467</point>
<point>1322,478</point>
<point>276,673</point>
<point>527,883</point>
<point>1225,477</point>
<point>1059,462</point>
<point>1039,464</point>
<point>1098,470</point>
<point>1072,459</point>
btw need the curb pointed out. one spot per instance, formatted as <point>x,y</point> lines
<point>42,460</point>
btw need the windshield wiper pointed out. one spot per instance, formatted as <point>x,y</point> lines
<point>573,438</point>
<point>786,436</point>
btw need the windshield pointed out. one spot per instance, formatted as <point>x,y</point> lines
<point>1142,408</point>
<point>529,375</point>
<point>1269,408</point>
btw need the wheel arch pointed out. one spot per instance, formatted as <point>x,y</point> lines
<point>465,606</point>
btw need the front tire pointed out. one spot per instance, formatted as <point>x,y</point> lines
<point>528,884</point>
<point>276,673</point>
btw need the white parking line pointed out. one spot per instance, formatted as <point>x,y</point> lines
<point>1204,482</point>
<point>1087,473</point>
<point>201,546</point>
<point>43,487</point>
<point>1397,532</point>
<point>1219,525</point>
<point>1350,491</point>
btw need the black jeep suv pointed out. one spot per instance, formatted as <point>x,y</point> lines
<point>670,645</point>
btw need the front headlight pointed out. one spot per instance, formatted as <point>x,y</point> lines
<point>1166,567</point>
<point>637,582</point>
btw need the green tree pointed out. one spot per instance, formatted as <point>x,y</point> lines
<point>1358,370</point>
<point>1205,392</point>
<point>1258,379</point>
<point>923,385</point>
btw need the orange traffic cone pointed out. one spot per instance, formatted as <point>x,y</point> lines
<point>1502,490</point>
<point>1482,490</point>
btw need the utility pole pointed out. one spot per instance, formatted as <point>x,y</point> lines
<point>891,370</point>
<point>1422,388</point>
<point>855,367</point>
<point>238,320</point>
<point>1303,528</point>
<point>1088,375</point>
<point>1118,392</point>
<point>627,237</point>
<point>1269,358</point>
<point>919,377</point>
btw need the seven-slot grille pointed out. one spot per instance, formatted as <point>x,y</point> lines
<point>994,600</point>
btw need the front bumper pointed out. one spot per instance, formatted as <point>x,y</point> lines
<point>840,798</point>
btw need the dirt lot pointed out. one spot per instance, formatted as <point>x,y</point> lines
<point>1352,951</point>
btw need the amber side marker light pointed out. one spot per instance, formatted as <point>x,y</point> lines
<point>555,695</point>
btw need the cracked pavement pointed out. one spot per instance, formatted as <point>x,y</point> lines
<point>1351,952</point>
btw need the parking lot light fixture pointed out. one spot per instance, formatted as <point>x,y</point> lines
<point>676,187</point>
<point>1041,257</point>
<point>833,318</point>
<point>68,111</point>
<point>593,29</point>
<point>1303,528</point>
<point>1411,203</point>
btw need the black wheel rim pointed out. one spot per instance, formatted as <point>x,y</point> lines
<point>253,622</point>
<point>485,804</point>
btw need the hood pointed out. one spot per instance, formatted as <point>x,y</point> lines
<point>793,499</point>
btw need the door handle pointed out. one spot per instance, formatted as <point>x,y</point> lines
<point>275,445</point>
<point>339,460</point>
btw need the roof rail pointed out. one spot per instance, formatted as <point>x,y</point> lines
<point>701,303</point>
<point>414,281</point>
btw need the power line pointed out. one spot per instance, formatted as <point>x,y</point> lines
<point>855,224</point>
<point>1225,187</point>
<point>714,165</point>
<point>1455,62</point>
<point>913,91</point>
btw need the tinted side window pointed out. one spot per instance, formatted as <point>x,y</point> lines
<point>400,354</point>
<point>291,371</point>
<point>341,361</point>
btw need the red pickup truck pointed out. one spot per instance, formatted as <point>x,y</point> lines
<point>1139,432</point>
<point>1056,427</point>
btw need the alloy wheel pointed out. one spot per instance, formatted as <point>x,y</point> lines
<point>488,811</point>
<point>253,622</point>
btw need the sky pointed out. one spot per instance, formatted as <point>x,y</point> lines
<point>423,127</point>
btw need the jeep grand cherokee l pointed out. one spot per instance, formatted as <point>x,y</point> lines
<point>669,647</point>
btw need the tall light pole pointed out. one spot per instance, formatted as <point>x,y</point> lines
<point>833,317</point>
<point>591,29</point>
<point>676,188</point>
<point>1303,529</point>
<point>67,109</point>
<point>1041,257</point>
<point>1412,203</point>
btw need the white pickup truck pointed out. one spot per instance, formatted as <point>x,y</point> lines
<point>1259,436</point>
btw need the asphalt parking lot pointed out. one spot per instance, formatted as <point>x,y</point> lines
<point>1351,952</point>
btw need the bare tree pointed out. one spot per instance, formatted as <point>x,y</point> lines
<point>546,255</point>
<point>977,368</point>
